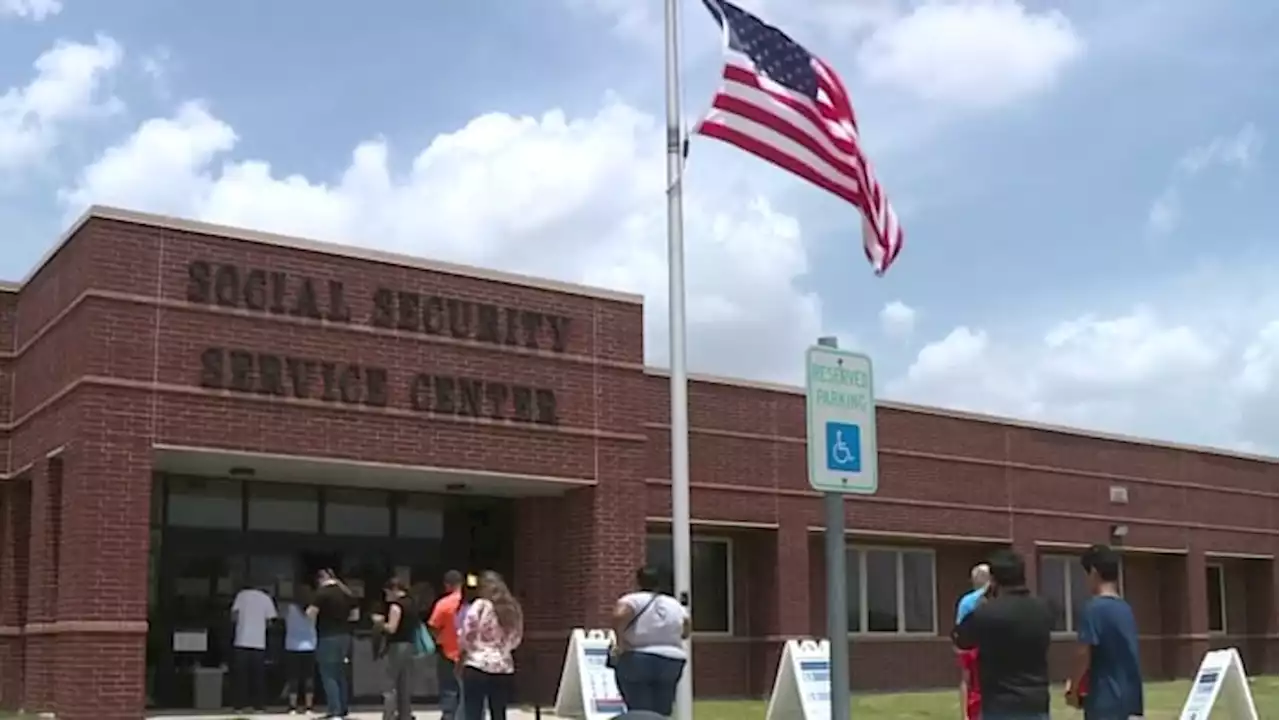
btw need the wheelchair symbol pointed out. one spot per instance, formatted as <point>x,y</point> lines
<point>844,447</point>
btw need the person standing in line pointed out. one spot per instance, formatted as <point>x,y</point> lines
<point>251,612</point>
<point>443,626</point>
<point>400,628</point>
<point>492,630</point>
<point>300,656</point>
<point>1011,632</point>
<point>970,692</point>
<point>331,610</point>
<point>1107,678</point>
<point>650,627</point>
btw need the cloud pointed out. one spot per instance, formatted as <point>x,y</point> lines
<point>155,66</point>
<point>897,319</point>
<point>67,86</point>
<point>1169,370</point>
<point>574,198</point>
<point>959,53</point>
<point>1232,152</point>
<point>825,19</point>
<point>34,10</point>
<point>971,53</point>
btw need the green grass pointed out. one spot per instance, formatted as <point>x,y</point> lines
<point>1164,701</point>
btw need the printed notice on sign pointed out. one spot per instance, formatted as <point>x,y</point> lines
<point>841,411</point>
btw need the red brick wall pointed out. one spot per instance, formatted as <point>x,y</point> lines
<point>100,357</point>
<point>946,479</point>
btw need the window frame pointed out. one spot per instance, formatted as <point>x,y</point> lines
<point>730,599</point>
<point>860,550</point>
<point>1222,596</point>
<point>1069,609</point>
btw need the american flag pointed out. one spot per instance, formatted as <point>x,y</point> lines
<point>788,107</point>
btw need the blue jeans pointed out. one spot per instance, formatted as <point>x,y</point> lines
<point>450,694</point>
<point>648,681</point>
<point>1015,716</point>
<point>332,652</point>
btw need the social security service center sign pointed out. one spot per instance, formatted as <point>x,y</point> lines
<point>842,421</point>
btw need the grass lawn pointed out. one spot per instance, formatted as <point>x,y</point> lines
<point>1164,701</point>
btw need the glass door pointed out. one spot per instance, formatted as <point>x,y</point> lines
<point>191,627</point>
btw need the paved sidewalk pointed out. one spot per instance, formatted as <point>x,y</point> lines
<point>418,714</point>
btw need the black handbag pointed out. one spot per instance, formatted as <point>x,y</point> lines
<point>612,659</point>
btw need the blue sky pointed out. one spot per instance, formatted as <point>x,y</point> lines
<point>1088,188</point>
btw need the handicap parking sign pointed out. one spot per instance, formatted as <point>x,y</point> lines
<point>844,447</point>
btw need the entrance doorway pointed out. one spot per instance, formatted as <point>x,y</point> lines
<point>217,536</point>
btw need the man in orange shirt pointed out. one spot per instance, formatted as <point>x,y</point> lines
<point>443,626</point>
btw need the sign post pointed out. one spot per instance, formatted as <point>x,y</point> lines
<point>840,409</point>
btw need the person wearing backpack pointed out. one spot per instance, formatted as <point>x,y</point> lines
<point>404,632</point>
<point>648,658</point>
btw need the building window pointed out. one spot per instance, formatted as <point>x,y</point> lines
<point>891,590</point>
<point>284,508</point>
<point>711,571</point>
<point>1215,587</point>
<point>419,517</point>
<point>1064,584</point>
<point>205,503</point>
<point>357,512</point>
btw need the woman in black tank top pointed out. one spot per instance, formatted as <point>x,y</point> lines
<point>401,628</point>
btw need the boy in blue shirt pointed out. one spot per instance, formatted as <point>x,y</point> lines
<point>1107,682</point>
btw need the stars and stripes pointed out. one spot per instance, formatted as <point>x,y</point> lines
<point>788,107</point>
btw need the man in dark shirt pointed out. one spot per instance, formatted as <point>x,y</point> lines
<point>1011,633</point>
<point>1107,680</point>
<point>331,610</point>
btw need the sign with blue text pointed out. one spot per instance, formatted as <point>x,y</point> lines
<point>802,687</point>
<point>1220,684</point>
<point>841,410</point>
<point>588,689</point>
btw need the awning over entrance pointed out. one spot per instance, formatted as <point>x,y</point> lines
<point>217,462</point>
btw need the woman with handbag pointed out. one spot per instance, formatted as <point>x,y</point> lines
<point>648,656</point>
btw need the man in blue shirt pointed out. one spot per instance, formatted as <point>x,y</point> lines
<point>970,697</point>
<point>1107,682</point>
<point>981,577</point>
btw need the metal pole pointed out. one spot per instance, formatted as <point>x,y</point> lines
<point>680,535</point>
<point>837,595</point>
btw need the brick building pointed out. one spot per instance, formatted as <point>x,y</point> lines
<point>188,408</point>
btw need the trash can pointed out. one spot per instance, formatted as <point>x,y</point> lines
<point>208,688</point>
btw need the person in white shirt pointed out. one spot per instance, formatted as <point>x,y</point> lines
<point>251,612</point>
<point>650,627</point>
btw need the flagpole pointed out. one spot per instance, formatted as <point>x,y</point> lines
<point>680,534</point>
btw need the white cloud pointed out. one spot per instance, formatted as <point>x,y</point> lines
<point>897,319</point>
<point>67,87</point>
<point>825,19</point>
<point>971,53</point>
<point>35,10</point>
<point>1202,374</point>
<point>965,53</point>
<point>1232,152</point>
<point>155,66</point>
<point>579,199</point>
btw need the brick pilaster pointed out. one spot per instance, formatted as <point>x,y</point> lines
<point>15,532</point>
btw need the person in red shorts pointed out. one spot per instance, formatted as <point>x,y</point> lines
<point>970,694</point>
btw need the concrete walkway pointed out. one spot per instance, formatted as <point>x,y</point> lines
<point>418,714</point>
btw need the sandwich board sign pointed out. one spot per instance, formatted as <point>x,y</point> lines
<point>841,410</point>
<point>588,690</point>
<point>1220,684</point>
<point>802,688</point>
